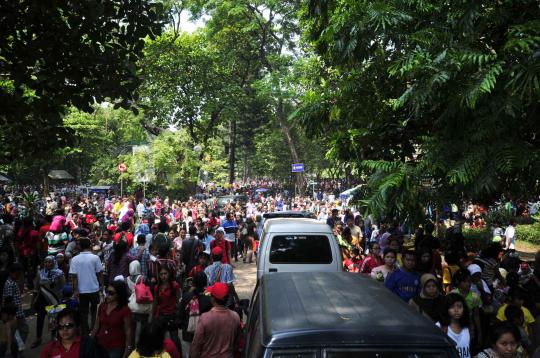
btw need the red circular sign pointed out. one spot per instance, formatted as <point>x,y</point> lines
<point>122,167</point>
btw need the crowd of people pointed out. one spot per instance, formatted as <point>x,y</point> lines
<point>479,301</point>
<point>105,271</point>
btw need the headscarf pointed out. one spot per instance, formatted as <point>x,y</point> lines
<point>423,282</point>
<point>142,229</point>
<point>135,268</point>
<point>52,274</point>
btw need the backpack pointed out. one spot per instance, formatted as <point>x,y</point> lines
<point>193,314</point>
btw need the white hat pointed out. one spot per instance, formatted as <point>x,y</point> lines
<point>474,268</point>
<point>220,229</point>
<point>119,278</point>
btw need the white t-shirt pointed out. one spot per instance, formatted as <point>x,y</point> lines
<point>462,340</point>
<point>86,265</point>
<point>140,210</point>
<point>510,235</point>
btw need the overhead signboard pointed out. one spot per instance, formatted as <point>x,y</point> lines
<point>298,168</point>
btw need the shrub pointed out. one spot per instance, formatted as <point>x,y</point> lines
<point>529,233</point>
<point>503,217</point>
<point>476,239</point>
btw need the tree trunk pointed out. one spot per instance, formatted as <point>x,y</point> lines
<point>246,172</point>
<point>284,125</point>
<point>232,149</point>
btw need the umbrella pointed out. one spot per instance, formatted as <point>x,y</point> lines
<point>261,190</point>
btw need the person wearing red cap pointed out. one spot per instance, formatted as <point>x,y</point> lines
<point>218,331</point>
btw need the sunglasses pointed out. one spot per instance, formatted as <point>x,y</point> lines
<point>66,326</point>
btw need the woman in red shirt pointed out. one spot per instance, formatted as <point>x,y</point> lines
<point>166,298</point>
<point>373,260</point>
<point>69,343</point>
<point>113,326</point>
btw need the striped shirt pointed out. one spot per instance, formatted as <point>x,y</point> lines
<point>212,271</point>
<point>11,289</point>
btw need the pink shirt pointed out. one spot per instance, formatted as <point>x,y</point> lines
<point>217,334</point>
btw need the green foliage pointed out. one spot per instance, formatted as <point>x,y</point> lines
<point>448,92</point>
<point>59,54</point>
<point>476,239</point>
<point>529,233</point>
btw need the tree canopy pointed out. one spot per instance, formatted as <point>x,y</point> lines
<point>439,95</point>
<point>59,54</point>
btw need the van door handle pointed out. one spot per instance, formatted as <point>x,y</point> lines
<point>273,270</point>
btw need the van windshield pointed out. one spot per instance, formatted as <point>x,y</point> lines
<point>300,249</point>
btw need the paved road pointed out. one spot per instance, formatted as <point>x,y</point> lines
<point>246,277</point>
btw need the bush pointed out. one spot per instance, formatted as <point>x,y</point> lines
<point>503,217</point>
<point>476,239</point>
<point>529,233</point>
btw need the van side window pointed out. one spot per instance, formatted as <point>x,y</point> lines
<point>300,249</point>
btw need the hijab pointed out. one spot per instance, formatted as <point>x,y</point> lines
<point>430,306</point>
<point>52,274</point>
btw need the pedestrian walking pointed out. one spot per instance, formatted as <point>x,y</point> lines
<point>218,331</point>
<point>166,298</point>
<point>12,295</point>
<point>50,284</point>
<point>70,342</point>
<point>113,326</point>
<point>86,273</point>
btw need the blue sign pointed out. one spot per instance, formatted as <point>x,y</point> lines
<point>298,168</point>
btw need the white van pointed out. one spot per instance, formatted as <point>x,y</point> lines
<point>297,245</point>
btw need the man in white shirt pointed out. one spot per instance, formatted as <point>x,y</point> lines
<point>86,273</point>
<point>140,209</point>
<point>510,236</point>
<point>356,232</point>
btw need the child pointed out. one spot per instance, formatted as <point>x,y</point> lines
<point>451,266</point>
<point>515,316</point>
<point>456,323</point>
<point>516,297</point>
<point>202,263</point>
<point>404,282</point>
<point>8,343</point>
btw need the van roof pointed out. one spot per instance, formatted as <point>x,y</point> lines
<point>296,225</point>
<point>329,309</point>
<point>289,214</point>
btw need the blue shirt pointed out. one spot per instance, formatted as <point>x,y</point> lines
<point>230,227</point>
<point>207,240</point>
<point>227,275</point>
<point>404,284</point>
<point>143,259</point>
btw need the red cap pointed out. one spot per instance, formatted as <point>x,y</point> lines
<point>217,251</point>
<point>218,290</point>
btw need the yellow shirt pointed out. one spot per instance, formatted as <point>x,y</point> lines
<point>117,207</point>
<point>526,314</point>
<point>135,354</point>
<point>448,273</point>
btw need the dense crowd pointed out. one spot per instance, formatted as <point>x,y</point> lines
<point>105,271</point>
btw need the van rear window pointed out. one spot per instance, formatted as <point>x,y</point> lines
<point>300,249</point>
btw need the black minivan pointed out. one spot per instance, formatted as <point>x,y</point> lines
<point>337,315</point>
